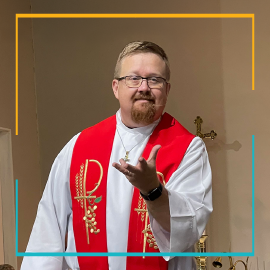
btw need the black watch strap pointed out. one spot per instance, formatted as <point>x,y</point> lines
<point>153,194</point>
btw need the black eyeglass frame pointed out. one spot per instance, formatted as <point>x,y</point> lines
<point>143,78</point>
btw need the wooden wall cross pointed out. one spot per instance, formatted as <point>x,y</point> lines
<point>198,122</point>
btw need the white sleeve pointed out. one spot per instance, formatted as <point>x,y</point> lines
<point>54,209</point>
<point>190,201</point>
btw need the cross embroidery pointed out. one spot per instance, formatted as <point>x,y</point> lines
<point>147,232</point>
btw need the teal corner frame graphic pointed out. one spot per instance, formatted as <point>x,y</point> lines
<point>152,254</point>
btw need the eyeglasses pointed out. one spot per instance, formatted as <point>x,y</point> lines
<point>136,81</point>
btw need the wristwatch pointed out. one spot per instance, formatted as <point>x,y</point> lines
<point>153,194</point>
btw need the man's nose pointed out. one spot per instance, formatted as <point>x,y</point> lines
<point>144,86</point>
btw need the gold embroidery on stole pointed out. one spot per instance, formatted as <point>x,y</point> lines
<point>79,184</point>
<point>142,210</point>
<point>82,198</point>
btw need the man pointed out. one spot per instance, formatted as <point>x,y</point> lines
<point>136,182</point>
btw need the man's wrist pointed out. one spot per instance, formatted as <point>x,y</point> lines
<point>147,190</point>
<point>153,194</point>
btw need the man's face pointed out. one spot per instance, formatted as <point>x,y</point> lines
<point>141,105</point>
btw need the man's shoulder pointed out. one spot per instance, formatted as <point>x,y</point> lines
<point>171,123</point>
<point>102,124</point>
<point>99,131</point>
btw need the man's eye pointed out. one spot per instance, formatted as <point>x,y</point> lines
<point>134,78</point>
<point>153,80</point>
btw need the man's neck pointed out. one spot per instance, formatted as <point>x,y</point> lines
<point>135,125</point>
<point>131,124</point>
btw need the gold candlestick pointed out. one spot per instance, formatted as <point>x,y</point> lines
<point>217,263</point>
<point>201,247</point>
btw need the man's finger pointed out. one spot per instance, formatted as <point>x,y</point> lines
<point>153,154</point>
<point>127,166</point>
<point>143,162</point>
<point>121,169</point>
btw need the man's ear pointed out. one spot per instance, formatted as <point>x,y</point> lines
<point>115,85</point>
<point>168,88</point>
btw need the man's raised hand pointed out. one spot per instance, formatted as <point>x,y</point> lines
<point>143,175</point>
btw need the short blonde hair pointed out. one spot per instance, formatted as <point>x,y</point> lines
<point>141,47</point>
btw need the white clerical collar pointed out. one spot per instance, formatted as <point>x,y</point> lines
<point>142,130</point>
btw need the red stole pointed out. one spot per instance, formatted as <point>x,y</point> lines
<point>88,186</point>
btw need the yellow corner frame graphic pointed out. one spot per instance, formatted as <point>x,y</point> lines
<point>251,16</point>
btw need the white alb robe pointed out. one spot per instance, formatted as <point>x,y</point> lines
<point>190,200</point>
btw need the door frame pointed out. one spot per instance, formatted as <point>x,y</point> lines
<point>7,198</point>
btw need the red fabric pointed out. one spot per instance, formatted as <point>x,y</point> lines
<point>174,140</point>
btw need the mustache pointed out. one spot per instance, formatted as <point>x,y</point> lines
<point>144,98</point>
<point>150,99</point>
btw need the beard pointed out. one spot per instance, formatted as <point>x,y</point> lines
<point>143,113</point>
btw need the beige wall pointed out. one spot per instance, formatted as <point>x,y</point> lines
<point>25,145</point>
<point>247,113</point>
<point>211,77</point>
